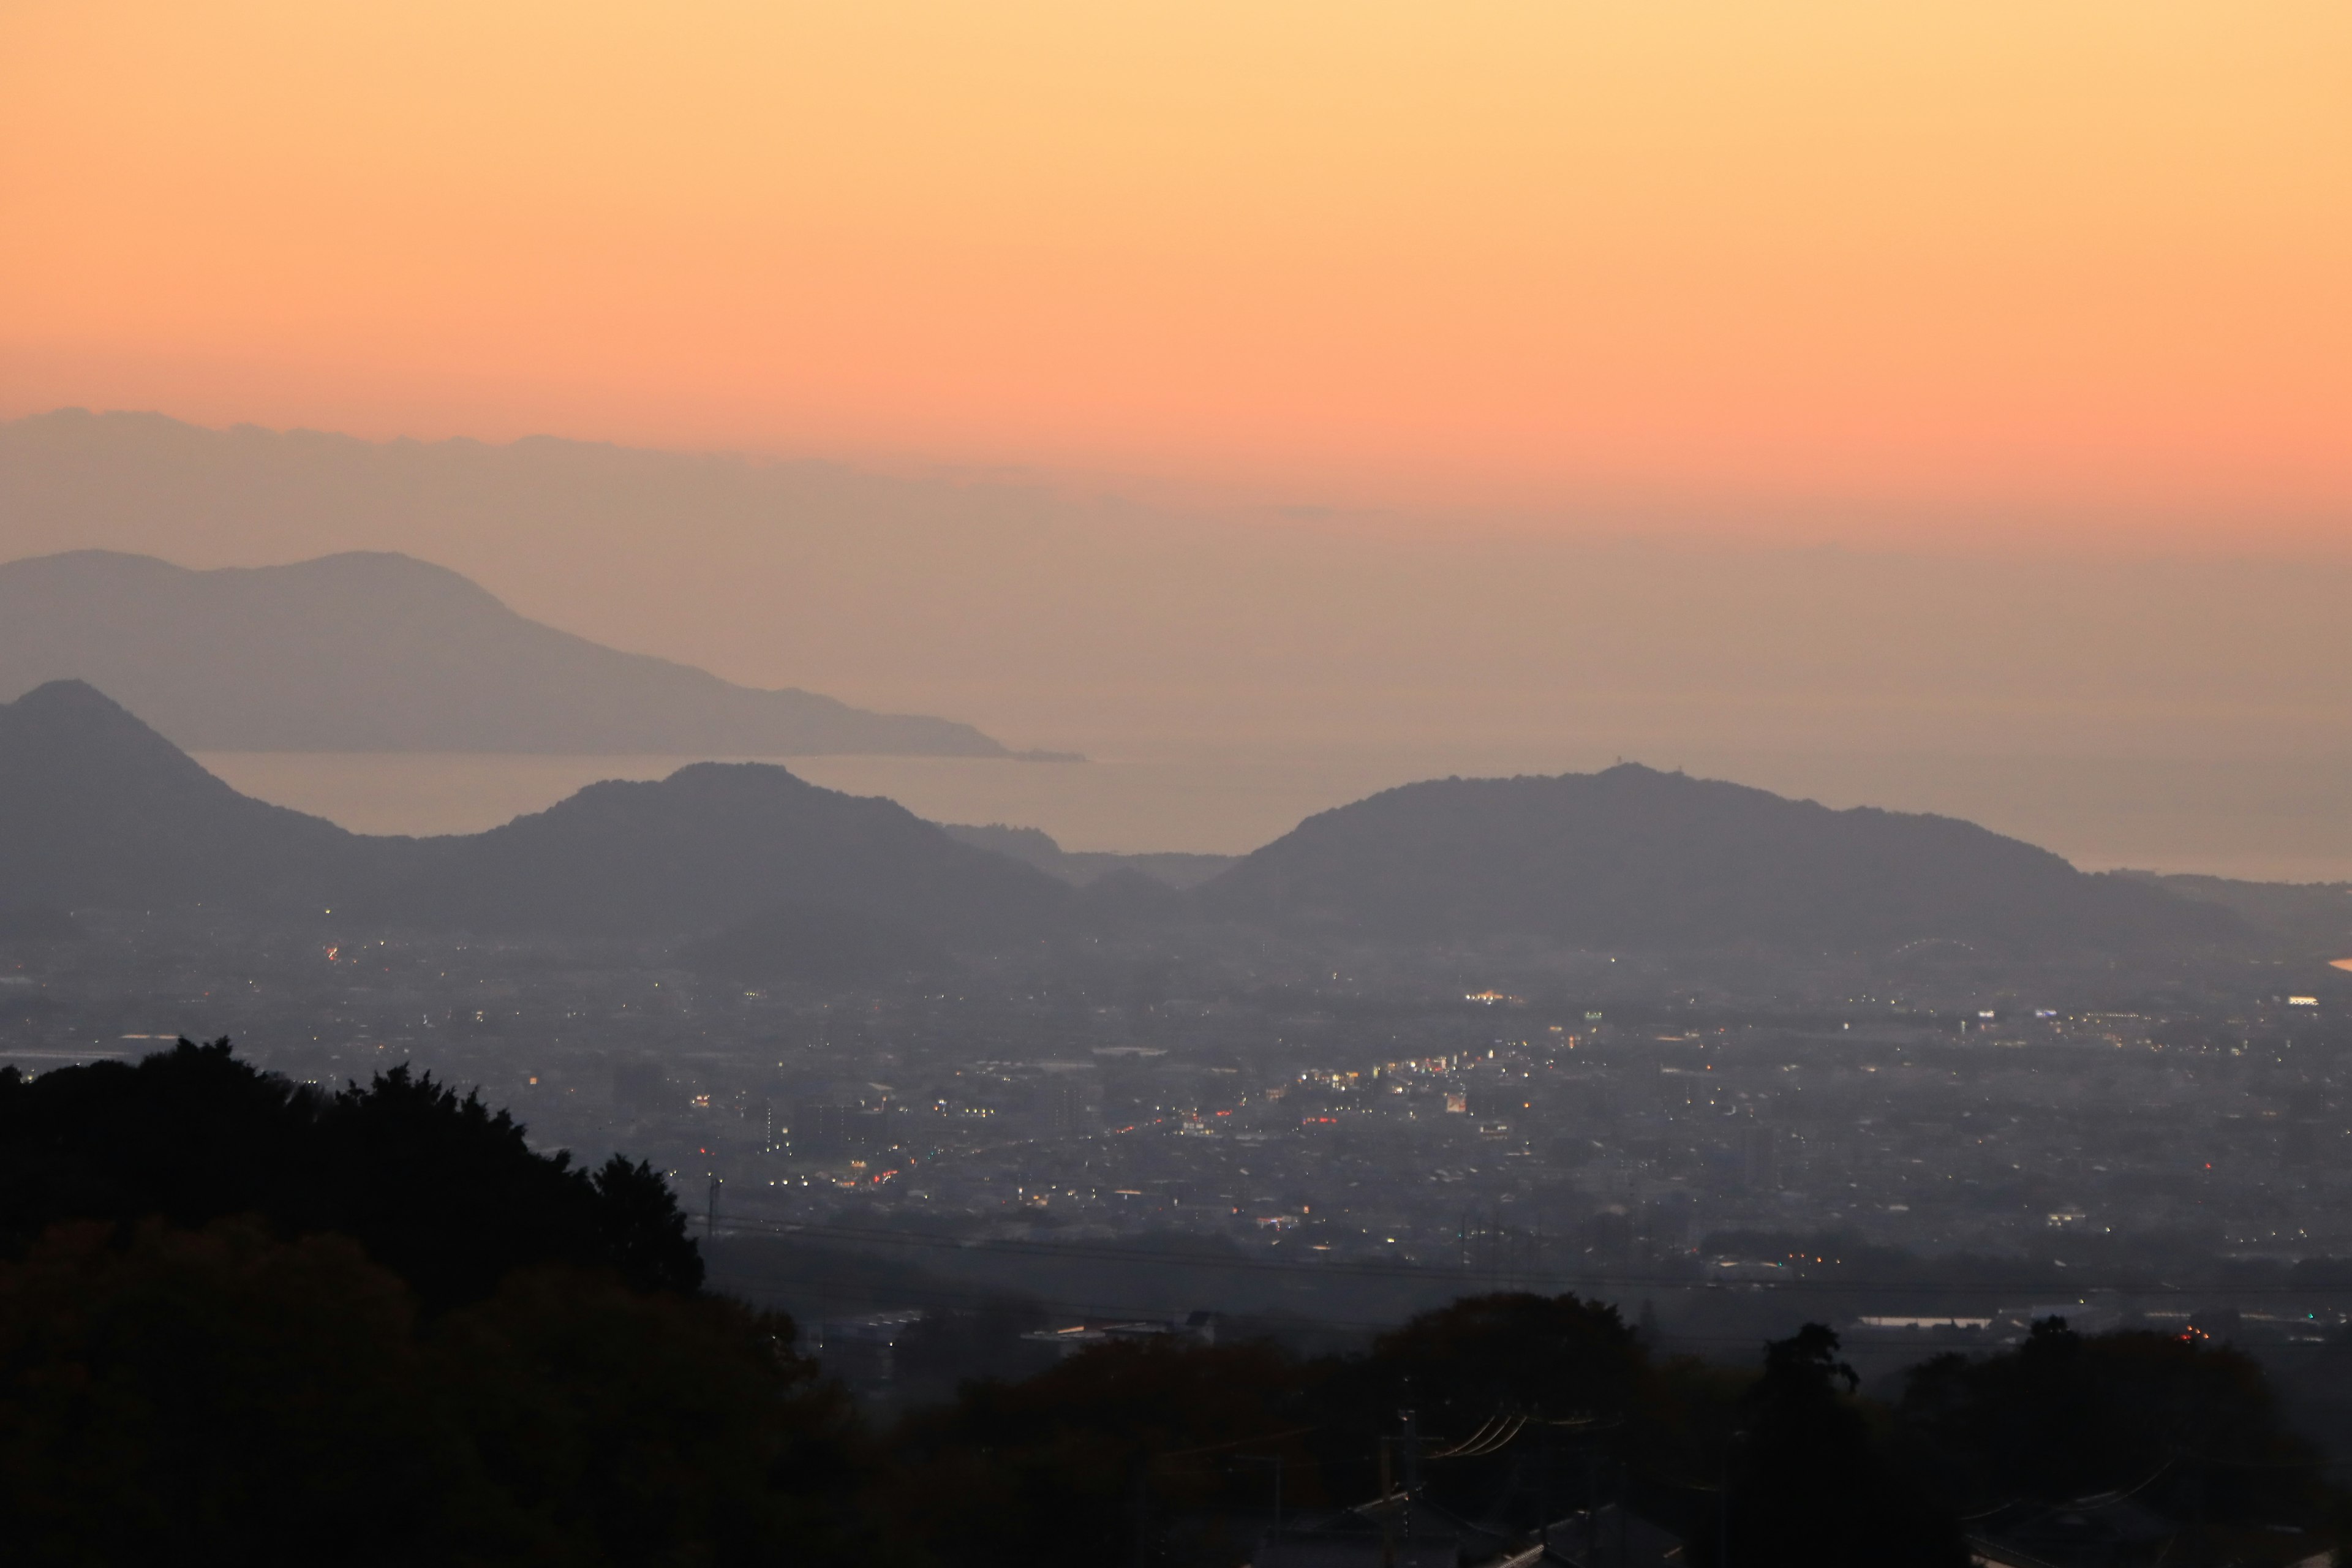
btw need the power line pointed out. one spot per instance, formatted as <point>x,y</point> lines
<point>1436,1276</point>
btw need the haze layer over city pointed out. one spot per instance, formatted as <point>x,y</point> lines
<point>1079,684</point>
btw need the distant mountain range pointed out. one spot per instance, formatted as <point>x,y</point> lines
<point>2311,919</point>
<point>97,810</point>
<point>768,874</point>
<point>1081,867</point>
<point>382,653</point>
<point>1635,858</point>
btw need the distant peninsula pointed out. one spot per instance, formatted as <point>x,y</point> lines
<point>379,652</point>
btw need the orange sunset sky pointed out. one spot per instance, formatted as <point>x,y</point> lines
<point>2083,266</point>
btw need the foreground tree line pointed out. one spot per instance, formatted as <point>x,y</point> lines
<point>241,1320</point>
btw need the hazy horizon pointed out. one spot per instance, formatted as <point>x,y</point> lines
<point>1236,672</point>
<point>1946,271</point>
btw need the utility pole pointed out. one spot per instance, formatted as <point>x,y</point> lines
<point>1591,1506</point>
<point>1276,1460</point>
<point>1138,1517</point>
<point>1620,1514</point>
<point>1723,1511</point>
<point>710,1213</point>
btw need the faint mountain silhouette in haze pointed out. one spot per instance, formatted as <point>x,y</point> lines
<point>2315,917</point>
<point>1635,858</point>
<point>1176,868</point>
<point>376,652</point>
<point>1069,609</point>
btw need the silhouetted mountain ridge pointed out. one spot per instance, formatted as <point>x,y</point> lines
<point>98,811</point>
<point>1632,857</point>
<point>714,844</point>
<point>2315,917</point>
<point>371,651</point>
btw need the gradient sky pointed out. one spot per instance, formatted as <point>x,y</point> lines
<point>1908,267</point>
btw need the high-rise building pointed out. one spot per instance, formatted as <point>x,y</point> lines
<point>821,1129</point>
<point>1065,1107</point>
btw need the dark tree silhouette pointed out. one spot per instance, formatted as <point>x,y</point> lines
<point>439,1188</point>
<point>2064,1415</point>
<point>1066,1466</point>
<point>173,1397</point>
<point>1553,1356</point>
<point>177,1398</point>
<point>1808,1483</point>
<point>1489,1359</point>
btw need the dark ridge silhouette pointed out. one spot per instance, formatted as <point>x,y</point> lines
<point>98,811</point>
<point>441,1190</point>
<point>1126,900</point>
<point>1635,858</point>
<point>711,845</point>
<point>2314,916</point>
<point>1174,869</point>
<point>378,652</point>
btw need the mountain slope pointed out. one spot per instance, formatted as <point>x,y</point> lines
<point>2317,917</point>
<point>714,844</point>
<point>98,811</point>
<point>379,652</point>
<point>1635,858</point>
